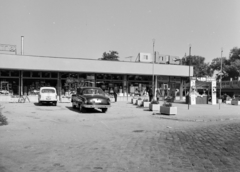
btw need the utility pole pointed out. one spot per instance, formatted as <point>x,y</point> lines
<point>153,58</point>
<point>220,80</point>
<point>189,76</point>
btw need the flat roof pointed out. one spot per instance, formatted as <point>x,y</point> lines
<point>66,64</point>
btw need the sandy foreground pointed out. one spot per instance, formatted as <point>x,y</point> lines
<point>48,138</point>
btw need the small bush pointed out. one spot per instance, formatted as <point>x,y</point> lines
<point>3,120</point>
<point>145,100</point>
<point>167,104</point>
<point>154,102</point>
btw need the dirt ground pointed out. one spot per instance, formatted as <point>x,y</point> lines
<point>48,138</point>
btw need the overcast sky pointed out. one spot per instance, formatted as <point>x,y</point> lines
<point>87,28</point>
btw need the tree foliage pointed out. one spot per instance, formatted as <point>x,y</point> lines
<point>230,67</point>
<point>112,55</point>
<point>200,68</point>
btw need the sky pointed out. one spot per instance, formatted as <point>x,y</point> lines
<point>88,28</point>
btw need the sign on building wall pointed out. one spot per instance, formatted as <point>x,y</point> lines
<point>9,48</point>
<point>214,92</point>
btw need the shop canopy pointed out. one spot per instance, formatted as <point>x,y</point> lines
<point>200,85</point>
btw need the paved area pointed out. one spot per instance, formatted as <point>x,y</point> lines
<point>126,138</point>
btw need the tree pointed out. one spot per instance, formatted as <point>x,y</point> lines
<point>234,54</point>
<point>230,67</point>
<point>200,68</point>
<point>112,55</point>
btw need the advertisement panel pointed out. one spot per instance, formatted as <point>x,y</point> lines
<point>214,92</point>
<point>192,91</point>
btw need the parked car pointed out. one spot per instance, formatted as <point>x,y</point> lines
<point>47,95</point>
<point>90,98</point>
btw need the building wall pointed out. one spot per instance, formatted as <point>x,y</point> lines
<point>43,63</point>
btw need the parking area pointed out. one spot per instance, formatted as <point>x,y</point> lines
<point>126,138</point>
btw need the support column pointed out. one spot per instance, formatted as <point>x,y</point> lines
<point>21,83</point>
<point>181,89</point>
<point>155,87</point>
<point>59,86</point>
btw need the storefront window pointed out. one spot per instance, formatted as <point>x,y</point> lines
<point>138,88</point>
<point>32,86</point>
<point>140,77</point>
<point>99,76</point>
<point>26,74</point>
<point>109,86</point>
<point>54,74</point>
<point>9,86</point>
<point>117,77</point>
<point>46,74</point>
<point>82,75</point>
<point>107,76</point>
<point>36,74</point>
<point>14,73</point>
<point>5,73</point>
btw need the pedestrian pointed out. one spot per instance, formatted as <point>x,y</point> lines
<point>150,93</point>
<point>115,94</point>
<point>158,94</point>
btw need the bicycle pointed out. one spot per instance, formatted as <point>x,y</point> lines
<point>23,99</point>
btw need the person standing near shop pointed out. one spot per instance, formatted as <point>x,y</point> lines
<point>150,93</point>
<point>115,94</point>
<point>158,94</point>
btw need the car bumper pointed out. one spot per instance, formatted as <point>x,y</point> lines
<point>97,106</point>
<point>45,100</point>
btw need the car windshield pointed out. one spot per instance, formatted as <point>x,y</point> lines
<point>93,91</point>
<point>48,91</point>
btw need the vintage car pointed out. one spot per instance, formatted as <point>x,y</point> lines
<point>90,98</point>
<point>47,95</point>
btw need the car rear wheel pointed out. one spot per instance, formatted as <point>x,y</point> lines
<point>81,108</point>
<point>73,106</point>
<point>54,103</point>
<point>104,110</point>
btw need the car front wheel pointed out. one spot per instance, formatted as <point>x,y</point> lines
<point>104,110</point>
<point>81,108</point>
<point>73,106</point>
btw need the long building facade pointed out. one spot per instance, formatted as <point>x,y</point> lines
<point>25,74</point>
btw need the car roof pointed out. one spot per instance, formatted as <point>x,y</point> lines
<point>47,88</point>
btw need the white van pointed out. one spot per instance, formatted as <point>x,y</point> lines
<point>47,95</point>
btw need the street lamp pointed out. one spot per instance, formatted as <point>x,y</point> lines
<point>189,76</point>
<point>153,57</point>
